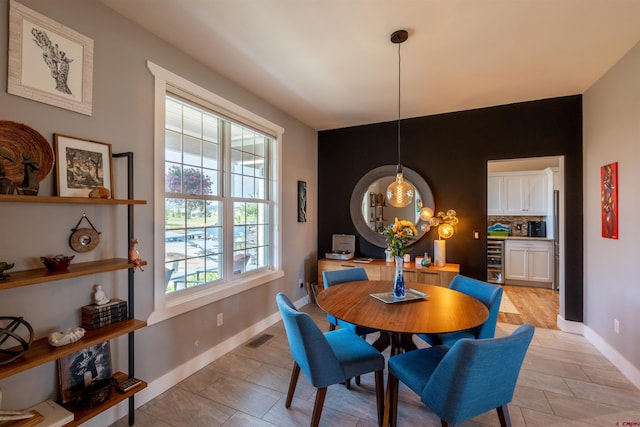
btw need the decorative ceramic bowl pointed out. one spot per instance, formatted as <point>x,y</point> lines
<point>57,263</point>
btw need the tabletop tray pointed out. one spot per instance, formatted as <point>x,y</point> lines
<point>388,298</point>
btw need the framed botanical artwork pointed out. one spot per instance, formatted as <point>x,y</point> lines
<point>609,200</point>
<point>49,62</point>
<point>81,166</point>
<point>78,370</point>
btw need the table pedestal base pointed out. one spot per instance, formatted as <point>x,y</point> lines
<point>399,342</point>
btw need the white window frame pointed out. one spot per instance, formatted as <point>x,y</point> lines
<point>167,306</point>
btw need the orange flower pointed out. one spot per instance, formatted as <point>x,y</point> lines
<point>399,235</point>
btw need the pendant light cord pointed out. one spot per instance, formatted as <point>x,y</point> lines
<point>399,192</point>
<point>399,37</point>
<point>399,162</point>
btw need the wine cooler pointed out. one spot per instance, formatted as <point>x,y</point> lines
<point>495,261</point>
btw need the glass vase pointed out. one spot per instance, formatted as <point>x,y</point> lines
<point>426,261</point>
<point>399,290</point>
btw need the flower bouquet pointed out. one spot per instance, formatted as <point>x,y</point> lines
<point>399,235</point>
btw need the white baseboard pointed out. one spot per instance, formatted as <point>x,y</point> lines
<point>173,377</point>
<point>628,370</point>
<point>570,326</point>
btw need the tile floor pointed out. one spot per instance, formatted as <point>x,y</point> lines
<point>564,381</point>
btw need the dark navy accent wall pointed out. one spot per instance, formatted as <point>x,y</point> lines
<point>450,151</point>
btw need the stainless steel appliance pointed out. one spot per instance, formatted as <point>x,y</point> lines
<point>537,229</point>
<point>495,261</point>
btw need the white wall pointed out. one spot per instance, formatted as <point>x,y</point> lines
<point>611,109</point>
<point>527,164</point>
<point>123,116</point>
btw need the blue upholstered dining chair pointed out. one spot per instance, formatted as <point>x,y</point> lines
<point>490,295</point>
<point>327,358</point>
<point>336,277</point>
<point>465,380</point>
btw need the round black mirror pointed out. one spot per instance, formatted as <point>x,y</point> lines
<point>370,211</point>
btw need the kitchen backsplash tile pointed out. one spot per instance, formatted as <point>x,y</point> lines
<point>515,221</point>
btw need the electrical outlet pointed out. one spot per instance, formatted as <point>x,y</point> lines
<point>476,235</point>
<point>301,283</point>
<point>196,343</point>
<point>220,319</point>
<point>616,326</point>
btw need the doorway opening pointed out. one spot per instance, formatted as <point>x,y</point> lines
<point>544,177</point>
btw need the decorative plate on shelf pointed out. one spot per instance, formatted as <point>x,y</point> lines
<point>18,138</point>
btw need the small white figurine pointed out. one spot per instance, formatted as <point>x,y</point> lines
<point>99,298</point>
<point>65,337</point>
<point>134,255</point>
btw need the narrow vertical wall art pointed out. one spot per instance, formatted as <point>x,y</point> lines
<point>609,200</point>
<point>302,201</point>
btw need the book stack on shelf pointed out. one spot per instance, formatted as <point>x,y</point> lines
<point>96,316</point>
<point>53,414</point>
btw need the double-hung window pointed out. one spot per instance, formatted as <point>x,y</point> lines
<point>218,198</point>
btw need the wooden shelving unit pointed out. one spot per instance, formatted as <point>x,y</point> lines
<point>42,275</point>
<point>40,352</point>
<point>4,198</point>
<point>81,415</point>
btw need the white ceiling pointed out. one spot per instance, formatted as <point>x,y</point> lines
<point>330,63</point>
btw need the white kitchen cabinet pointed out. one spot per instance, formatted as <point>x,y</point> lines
<point>518,193</point>
<point>526,194</point>
<point>530,261</point>
<point>495,194</point>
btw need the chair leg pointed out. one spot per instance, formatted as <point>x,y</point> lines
<point>393,400</point>
<point>503,415</point>
<point>364,337</point>
<point>317,407</point>
<point>332,327</point>
<point>380,395</point>
<point>292,384</point>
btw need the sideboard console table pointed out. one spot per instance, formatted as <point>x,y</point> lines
<point>379,269</point>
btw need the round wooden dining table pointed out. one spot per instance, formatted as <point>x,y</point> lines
<point>441,310</point>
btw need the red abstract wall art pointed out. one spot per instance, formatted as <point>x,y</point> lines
<point>609,200</point>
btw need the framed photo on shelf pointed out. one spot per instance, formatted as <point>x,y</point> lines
<point>78,370</point>
<point>49,62</point>
<point>81,166</point>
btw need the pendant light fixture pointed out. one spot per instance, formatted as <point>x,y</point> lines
<point>399,192</point>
